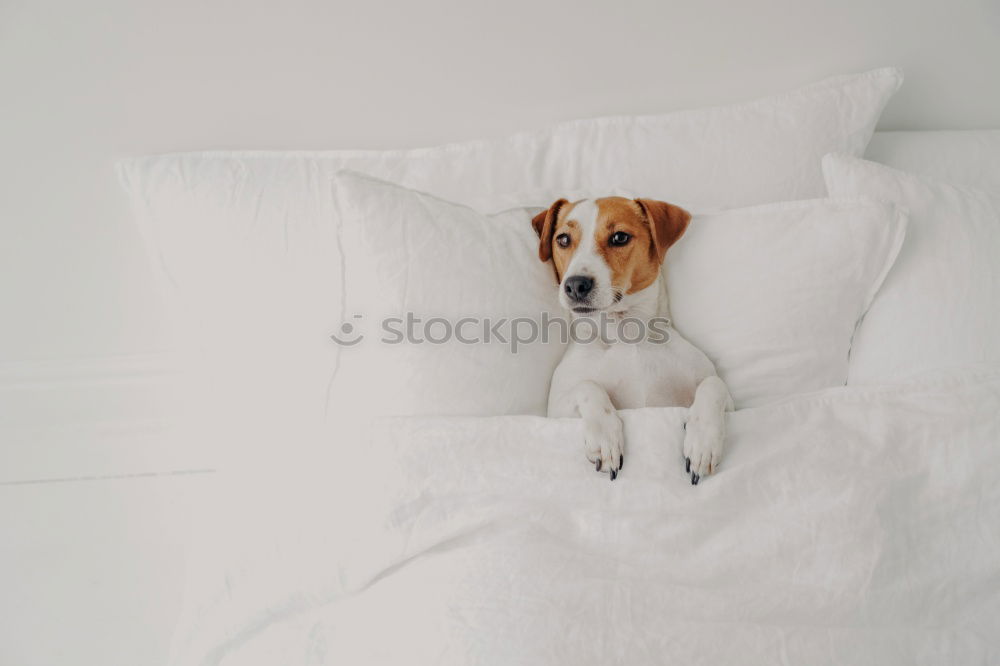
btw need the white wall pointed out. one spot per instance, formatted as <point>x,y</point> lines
<point>84,82</point>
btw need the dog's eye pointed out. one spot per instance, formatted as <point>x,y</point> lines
<point>562,240</point>
<point>620,238</point>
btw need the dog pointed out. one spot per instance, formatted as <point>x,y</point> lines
<point>607,256</point>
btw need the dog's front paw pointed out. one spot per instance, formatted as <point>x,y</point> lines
<point>704,441</point>
<point>604,440</point>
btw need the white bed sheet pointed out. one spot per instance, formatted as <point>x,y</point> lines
<point>854,525</point>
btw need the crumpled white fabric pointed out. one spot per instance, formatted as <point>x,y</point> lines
<point>853,525</point>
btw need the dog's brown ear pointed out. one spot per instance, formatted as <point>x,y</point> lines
<point>545,225</point>
<point>667,223</point>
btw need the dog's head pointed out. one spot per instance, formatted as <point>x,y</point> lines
<point>605,249</point>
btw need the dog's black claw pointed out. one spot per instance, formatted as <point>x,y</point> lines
<point>621,462</point>
<point>614,475</point>
<point>597,466</point>
<point>687,464</point>
<point>695,479</point>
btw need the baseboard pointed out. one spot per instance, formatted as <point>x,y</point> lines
<point>90,418</point>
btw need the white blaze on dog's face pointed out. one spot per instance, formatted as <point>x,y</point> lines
<point>605,249</point>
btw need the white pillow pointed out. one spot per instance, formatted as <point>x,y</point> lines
<point>772,294</point>
<point>940,305</point>
<point>409,252</point>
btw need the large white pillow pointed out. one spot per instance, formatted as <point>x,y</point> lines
<point>406,252</point>
<point>940,305</point>
<point>771,293</point>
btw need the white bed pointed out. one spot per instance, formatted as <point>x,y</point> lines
<point>849,525</point>
<point>884,557</point>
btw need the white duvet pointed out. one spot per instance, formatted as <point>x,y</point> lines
<point>853,526</point>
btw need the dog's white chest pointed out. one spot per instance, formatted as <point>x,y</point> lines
<point>644,374</point>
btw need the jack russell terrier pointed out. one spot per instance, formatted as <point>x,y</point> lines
<point>607,254</point>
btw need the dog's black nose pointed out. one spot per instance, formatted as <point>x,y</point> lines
<point>578,286</point>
